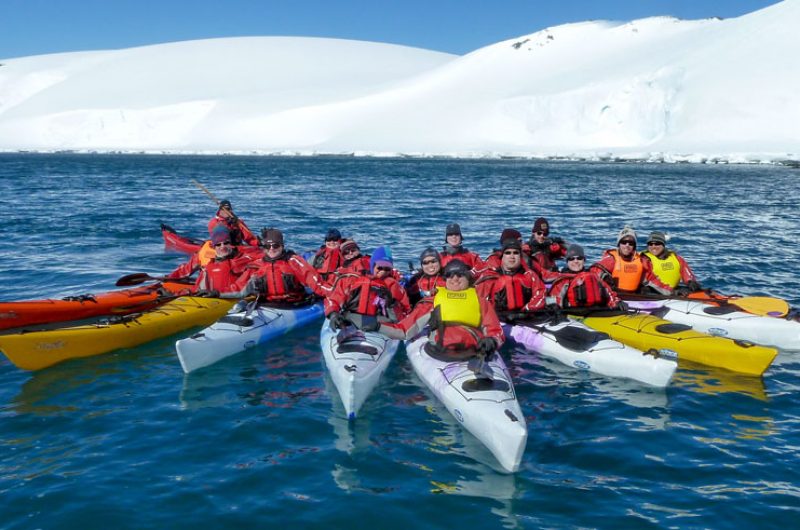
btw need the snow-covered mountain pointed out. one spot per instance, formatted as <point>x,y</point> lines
<point>656,88</point>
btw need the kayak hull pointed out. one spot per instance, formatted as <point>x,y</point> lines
<point>238,331</point>
<point>603,356</point>
<point>491,413</point>
<point>643,331</point>
<point>39,349</point>
<point>175,241</point>
<point>120,302</point>
<point>356,361</point>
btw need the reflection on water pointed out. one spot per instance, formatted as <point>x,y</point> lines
<point>714,381</point>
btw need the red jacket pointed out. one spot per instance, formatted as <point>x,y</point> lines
<point>472,260</point>
<point>218,274</point>
<point>421,285</point>
<point>454,337</point>
<point>368,295</point>
<point>284,279</point>
<point>521,290</point>
<point>582,289</point>
<point>238,228</point>
<point>327,260</point>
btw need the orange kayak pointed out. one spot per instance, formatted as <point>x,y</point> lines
<point>122,302</point>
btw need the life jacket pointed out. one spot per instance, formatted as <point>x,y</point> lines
<point>327,260</point>
<point>584,290</point>
<point>280,281</point>
<point>218,275</point>
<point>206,254</point>
<point>512,291</point>
<point>458,307</point>
<point>370,296</point>
<point>667,269</point>
<point>627,274</point>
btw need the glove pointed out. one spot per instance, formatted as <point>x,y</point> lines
<point>486,347</point>
<point>210,293</point>
<point>622,306</point>
<point>694,286</point>
<point>337,321</point>
<point>256,284</point>
<point>682,291</point>
<point>364,322</point>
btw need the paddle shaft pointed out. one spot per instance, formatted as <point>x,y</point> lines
<point>206,191</point>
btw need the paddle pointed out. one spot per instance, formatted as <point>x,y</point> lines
<point>573,338</point>
<point>206,191</point>
<point>140,277</point>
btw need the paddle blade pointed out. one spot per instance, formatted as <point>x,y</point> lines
<point>762,305</point>
<point>133,279</point>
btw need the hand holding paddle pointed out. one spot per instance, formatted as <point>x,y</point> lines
<point>138,278</point>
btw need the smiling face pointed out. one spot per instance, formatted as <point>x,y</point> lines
<point>456,281</point>
<point>656,248</point>
<point>626,247</point>
<point>454,240</point>
<point>273,249</point>
<point>511,260</point>
<point>223,249</point>
<point>431,266</point>
<point>575,263</point>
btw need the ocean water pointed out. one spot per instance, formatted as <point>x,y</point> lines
<point>126,440</point>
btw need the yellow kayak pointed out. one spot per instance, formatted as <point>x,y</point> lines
<point>677,340</point>
<point>34,350</point>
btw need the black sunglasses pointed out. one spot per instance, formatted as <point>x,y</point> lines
<point>655,244</point>
<point>273,245</point>
<point>627,242</point>
<point>430,262</point>
<point>460,274</point>
<point>222,244</point>
<point>576,258</point>
<point>384,269</point>
<point>511,253</point>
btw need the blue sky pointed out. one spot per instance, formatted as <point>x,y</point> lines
<point>31,27</point>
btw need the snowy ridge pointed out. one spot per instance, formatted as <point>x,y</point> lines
<point>653,89</point>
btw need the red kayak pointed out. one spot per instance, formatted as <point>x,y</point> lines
<point>122,302</point>
<point>174,241</point>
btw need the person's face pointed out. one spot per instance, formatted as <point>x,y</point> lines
<point>351,252</point>
<point>223,249</point>
<point>455,281</point>
<point>226,212</point>
<point>431,266</point>
<point>273,249</point>
<point>540,235</point>
<point>454,240</point>
<point>382,271</point>
<point>575,263</point>
<point>511,259</point>
<point>656,248</point>
<point>332,243</point>
<point>626,247</point>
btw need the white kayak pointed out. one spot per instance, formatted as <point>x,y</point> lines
<point>575,344</point>
<point>240,330</point>
<point>356,360</point>
<point>488,409</point>
<point>725,321</point>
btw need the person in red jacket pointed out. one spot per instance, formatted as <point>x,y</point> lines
<point>576,287</point>
<point>352,259</point>
<point>454,248</point>
<point>376,294</point>
<point>494,260</point>
<point>625,269</point>
<point>281,275</point>
<point>329,257</point>
<point>424,282</point>
<point>220,273</point>
<point>460,323</point>
<point>543,250</point>
<point>511,287</point>
<point>240,233</point>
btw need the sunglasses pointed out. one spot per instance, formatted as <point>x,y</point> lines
<point>430,262</point>
<point>384,269</point>
<point>627,242</point>
<point>349,251</point>
<point>223,244</point>
<point>328,239</point>
<point>456,273</point>
<point>273,245</point>
<point>655,244</point>
<point>511,253</point>
<point>540,233</point>
<point>575,258</point>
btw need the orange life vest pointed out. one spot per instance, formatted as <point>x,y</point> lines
<point>628,274</point>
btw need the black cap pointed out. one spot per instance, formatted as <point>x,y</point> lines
<point>225,203</point>
<point>430,252</point>
<point>453,229</point>
<point>511,243</point>
<point>333,235</point>
<point>271,235</point>
<point>459,267</point>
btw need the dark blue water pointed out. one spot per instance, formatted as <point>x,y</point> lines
<point>126,440</point>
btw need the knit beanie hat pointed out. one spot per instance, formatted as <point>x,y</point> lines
<point>347,244</point>
<point>271,235</point>
<point>381,257</point>
<point>657,237</point>
<point>541,225</point>
<point>627,232</point>
<point>333,235</point>
<point>220,234</point>
<point>575,251</point>
<point>510,233</point>
<point>430,252</point>
<point>511,243</point>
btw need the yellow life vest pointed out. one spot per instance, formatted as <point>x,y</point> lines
<point>458,307</point>
<point>627,273</point>
<point>668,269</point>
<point>206,254</point>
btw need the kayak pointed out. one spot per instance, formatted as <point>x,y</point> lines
<point>488,409</point>
<point>356,360</point>
<point>242,329</point>
<point>726,321</point>
<point>121,302</point>
<point>175,241</point>
<point>680,341</point>
<point>575,344</point>
<point>34,350</point>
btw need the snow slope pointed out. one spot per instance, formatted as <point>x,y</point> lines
<point>657,88</point>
